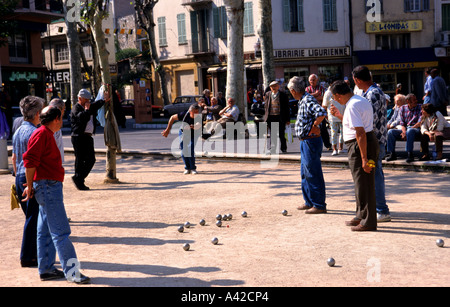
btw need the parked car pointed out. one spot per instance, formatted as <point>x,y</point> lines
<point>128,108</point>
<point>180,104</point>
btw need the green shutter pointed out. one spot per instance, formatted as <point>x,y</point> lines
<point>181,23</point>
<point>286,16</point>
<point>248,18</point>
<point>162,31</point>
<point>216,22</point>
<point>301,26</point>
<point>194,31</point>
<point>446,17</point>
<point>223,22</point>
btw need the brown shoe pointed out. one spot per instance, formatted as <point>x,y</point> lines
<point>303,207</point>
<point>314,210</point>
<point>354,222</point>
<point>360,227</point>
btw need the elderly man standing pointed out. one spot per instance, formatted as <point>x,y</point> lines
<point>83,127</point>
<point>310,115</point>
<point>276,105</point>
<point>409,117</point>
<point>362,146</point>
<point>44,181</point>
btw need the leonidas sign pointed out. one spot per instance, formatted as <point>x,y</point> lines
<point>394,26</point>
<point>312,53</point>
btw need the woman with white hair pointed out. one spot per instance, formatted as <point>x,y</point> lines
<point>30,107</point>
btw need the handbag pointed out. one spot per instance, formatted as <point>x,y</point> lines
<point>14,198</point>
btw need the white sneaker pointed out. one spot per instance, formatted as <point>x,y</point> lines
<point>194,172</point>
<point>335,153</point>
<point>187,172</point>
<point>383,218</point>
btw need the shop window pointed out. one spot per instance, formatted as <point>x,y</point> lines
<point>302,72</point>
<point>329,73</point>
<point>393,41</point>
<point>19,49</point>
<point>386,81</point>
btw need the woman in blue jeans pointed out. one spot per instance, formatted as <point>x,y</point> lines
<point>30,107</point>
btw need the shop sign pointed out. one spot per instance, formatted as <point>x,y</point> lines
<point>394,26</point>
<point>312,53</point>
<point>402,66</point>
<point>23,76</point>
<point>60,76</point>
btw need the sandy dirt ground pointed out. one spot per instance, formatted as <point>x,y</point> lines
<point>126,234</point>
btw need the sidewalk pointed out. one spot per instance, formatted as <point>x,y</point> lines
<point>146,139</point>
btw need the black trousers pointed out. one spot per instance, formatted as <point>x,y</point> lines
<point>364,183</point>
<point>83,146</point>
<point>282,127</point>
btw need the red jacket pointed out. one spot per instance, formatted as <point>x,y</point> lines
<point>43,154</point>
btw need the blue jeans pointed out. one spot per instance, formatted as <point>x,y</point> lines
<point>31,211</point>
<point>53,228</point>
<point>380,188</point>
<point>188,154</point>
<point>394,135</point>
<point>313,183</point>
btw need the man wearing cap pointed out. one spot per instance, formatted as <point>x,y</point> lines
<point>276,105</point>
<point>83,127</point>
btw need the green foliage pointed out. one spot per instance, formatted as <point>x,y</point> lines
<point>7,26</point>
<point>127,54</point>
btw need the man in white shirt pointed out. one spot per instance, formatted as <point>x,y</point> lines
<point>362,147</point>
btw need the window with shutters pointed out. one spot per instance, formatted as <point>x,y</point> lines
<point>181,25</point>
<point>19,49</point>
<point>445,17</point>
<point>293,16</point>
<point>329,15</point>
<point>248,18</point>
<point>220,22</point>
<point>162,31</point>
<point>416,5</point>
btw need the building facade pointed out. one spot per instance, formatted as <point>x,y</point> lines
<point>397,44</point>
<point>21,60</point>
<point>308,37</point>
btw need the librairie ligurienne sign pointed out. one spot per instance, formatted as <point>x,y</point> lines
<point>312,52</point>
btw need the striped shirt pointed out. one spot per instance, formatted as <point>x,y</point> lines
<point>20,144</point>
<point>308,110</point>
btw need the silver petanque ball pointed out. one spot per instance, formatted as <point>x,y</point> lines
<point>180,229</point>
<point>230,216</point>
<point>331,262</point>
<point>186,246</point>
<point>187,225</point>
<point>440,242</point>
<point>219,223</point>
<point>218,217</point>
<point>244,214</point>
<point>225,217</point>
<point>214,241</point>
<point>202,222</point>
<point>284,212</point>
